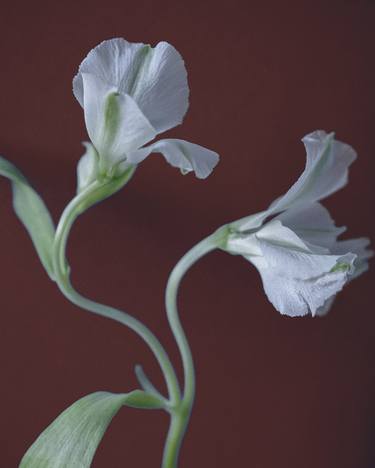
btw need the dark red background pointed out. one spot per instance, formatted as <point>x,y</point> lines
<point>272,391</point>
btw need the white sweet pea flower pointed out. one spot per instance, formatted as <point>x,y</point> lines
<point>293,243</point>
<point>130,93</point>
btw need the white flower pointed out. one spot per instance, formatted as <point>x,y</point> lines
<point>130,93</point>
<point>293,243</point>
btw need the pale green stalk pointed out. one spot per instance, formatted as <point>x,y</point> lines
<point>181,415</point>
<point>93,193</point>
<point>179,409</point>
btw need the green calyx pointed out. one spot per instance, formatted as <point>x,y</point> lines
<point>103,188</point>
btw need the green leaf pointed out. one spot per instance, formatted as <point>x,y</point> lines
<point>72,439</point>
<point>33,213</point>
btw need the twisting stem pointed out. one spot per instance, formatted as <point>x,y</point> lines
<point>179,408</point>
<point>180,417</point>
<point>80,203</point>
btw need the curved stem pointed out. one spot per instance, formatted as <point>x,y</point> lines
<point>180,417</point>
<point>93,193</point>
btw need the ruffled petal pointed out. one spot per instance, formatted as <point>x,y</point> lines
<point>181,154</point>
<point>116,62</point>
<point>114,122</point>
<point>298,283</point>
<point>155,78</point>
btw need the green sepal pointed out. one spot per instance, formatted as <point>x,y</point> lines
<point>103,188</point>
<point>73,438</point>
<point>32,212</point>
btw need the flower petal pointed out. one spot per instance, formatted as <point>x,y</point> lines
<point>326,307</point>
<point>313,224</point>
<point>355,246</point>
<point>277,234</point>
<point>116,62</point>
<point>273,232</point>
<point>156,78</point>
<point>326,171</point>
<point>298,283</point>
<point>359,247</point>
<point>181,154</point>
<point>297,277</point>
<point>114,121</point>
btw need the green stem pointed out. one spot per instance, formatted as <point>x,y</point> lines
<point>177,429</point>
<point>93,193</point>
<point>181,415</point>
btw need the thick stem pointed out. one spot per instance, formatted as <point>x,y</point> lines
<point>79,204</point>
<point>180,417</point>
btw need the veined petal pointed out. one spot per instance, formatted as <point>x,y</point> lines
<point>326,171</point>
<point>298,283</point>
<point>313,224</point>
<point>156,78</point>
<point>115,62</point>
<point>114,122</point>
<point>181,154</point>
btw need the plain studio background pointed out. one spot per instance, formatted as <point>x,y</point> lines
<point>272,391</point>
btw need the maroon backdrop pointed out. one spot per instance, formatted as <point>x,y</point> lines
<point>272,391</point>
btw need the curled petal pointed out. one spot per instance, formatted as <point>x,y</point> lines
<point>181,154</point>
<point>155,78</point>
<point>114,121</point>
<point>326,171</point>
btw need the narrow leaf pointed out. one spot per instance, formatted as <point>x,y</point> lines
<point>33,213</point>
<point>72,439</point>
